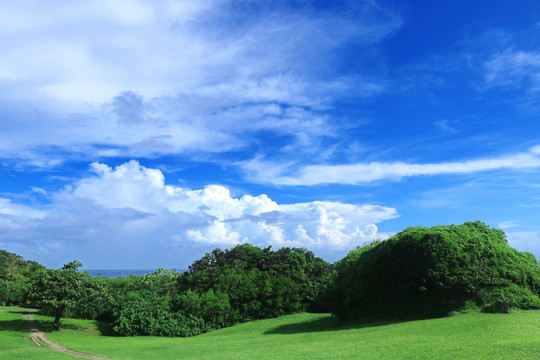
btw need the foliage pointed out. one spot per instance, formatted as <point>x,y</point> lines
<point>144,306</point>
<point>214,308</point>
<point>15,274</point>
<point>261,283</point>
<point>144,317</point>
<point>68,292</point>
<point>431,271</point>
<point>13,266</point>
<point>420,271</point>
<point>221,289</point>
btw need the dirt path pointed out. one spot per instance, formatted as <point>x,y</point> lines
<point>39,338</point>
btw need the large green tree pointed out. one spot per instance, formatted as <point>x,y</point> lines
<point>431,271</point>
<point>261,283</point>
<point>66,291</point>
<point>222,288</point>
<point>15,274</point>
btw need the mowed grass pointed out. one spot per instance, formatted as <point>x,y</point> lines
<point>14,340</point>
<point>305,336</point>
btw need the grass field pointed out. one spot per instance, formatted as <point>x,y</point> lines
<point>14,340</point>
<point>300,336</point>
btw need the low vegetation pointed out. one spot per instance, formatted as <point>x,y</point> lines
<point>16,278</point>
<point>420,272</point>
<point>433,271</point>
<point>219,290</point>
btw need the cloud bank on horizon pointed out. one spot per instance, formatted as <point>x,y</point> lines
<point>132,205</point>
<point>296,123</point>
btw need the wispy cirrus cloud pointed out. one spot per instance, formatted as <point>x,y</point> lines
<point>173,77</point>
<point>445,126</point>
<point>363,173</point>
<point>514,68</point>
<point>508,224</point>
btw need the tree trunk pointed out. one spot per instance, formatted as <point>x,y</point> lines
<point>57,315</point>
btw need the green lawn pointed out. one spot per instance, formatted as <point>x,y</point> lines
<point>299,336</point>
<point>14,340</point>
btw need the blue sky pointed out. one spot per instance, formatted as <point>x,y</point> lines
<point>142,134</point>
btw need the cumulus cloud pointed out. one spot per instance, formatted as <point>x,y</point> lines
<point>362,173</point>
<point>132,205</point>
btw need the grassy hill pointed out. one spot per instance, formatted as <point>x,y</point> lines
<point>298,336</point>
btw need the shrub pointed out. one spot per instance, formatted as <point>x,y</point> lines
<point>146,318</point>
<point>432,271</point>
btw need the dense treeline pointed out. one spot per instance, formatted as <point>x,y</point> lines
<point>431,271</point>
<point>420,271</point>
<point>15,279</point>
<point>67,292</point>
<point>221,289</point>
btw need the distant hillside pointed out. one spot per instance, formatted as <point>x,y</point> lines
<point>15,275</point>
<point>13,266</point>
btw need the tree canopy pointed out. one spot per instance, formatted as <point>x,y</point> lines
<point>66,291</point>
<point>434,270</point>
<point>15,282</point>
<point>418,272</point>
<point>220,289</point>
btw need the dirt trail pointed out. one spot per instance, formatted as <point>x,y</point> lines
<point>39,338</point>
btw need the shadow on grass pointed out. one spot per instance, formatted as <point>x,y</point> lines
<point>24,311</point>
<point>105,328</point>
<point>18,325</point>
<point>45,325</point>
<point>329,323</point>
<point>23,325</point>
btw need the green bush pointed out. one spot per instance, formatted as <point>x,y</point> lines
<point>15,278</point>
<point>147,318</point>
<point>214,308</point>
<point>67,292</point>
<point>432,271</point>
<point>513,295</point>
<point>12,293</point>
<point>260,283</point>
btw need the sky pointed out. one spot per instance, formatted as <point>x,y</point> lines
<point>143,134</point>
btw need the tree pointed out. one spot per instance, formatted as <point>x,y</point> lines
<point>15,275</point>
<point>260,283</point>
<point>432,271</point>
<point>67,291</point>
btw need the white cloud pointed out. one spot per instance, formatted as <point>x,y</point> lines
<point>524,241</point>
<point>15,211</point>
<point>362,173</point>
<point>132,205</point>
<point>215,233</point>
<point>508,224</point>
<point>332,224</point>
<point>514,68</point>
<point>38,190</point>
<point>141,78</point>
<point>445,126</point>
